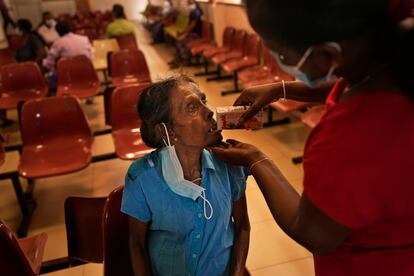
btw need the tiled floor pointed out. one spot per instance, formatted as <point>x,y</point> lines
<point>271,251</point>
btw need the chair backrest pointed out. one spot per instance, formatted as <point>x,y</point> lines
<point>52,120</point>
<point>238,40</point>
<point>12,261</point>
<point>117,259</point>
<point>76,71</point>
<point>207,31</point>
<point>129,62</point>
<point>124,107</point>
<point>22,76</point>
<point>253,46</point>
<point>83,220</point>
<point>127,41</point>
<point>228,34</point>
<point>2,152</point>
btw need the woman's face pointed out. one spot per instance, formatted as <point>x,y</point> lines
<point>192,121</point>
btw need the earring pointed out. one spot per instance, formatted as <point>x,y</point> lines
<point>175,139</point>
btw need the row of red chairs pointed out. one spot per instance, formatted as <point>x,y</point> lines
<point>76,76</point>
<point>97,232</point>
<point>56,137</point>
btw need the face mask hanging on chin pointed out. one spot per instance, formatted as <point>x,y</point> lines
<point>173,175</point>
<point>295,71</point>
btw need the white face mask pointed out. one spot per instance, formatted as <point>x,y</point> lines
<point>192,7</point>
<point>295,71</point>
<point>174,176</point>
<point>50,23</point>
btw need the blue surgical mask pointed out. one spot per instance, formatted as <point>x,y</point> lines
<point>295,71</point>
<point>173,175</point>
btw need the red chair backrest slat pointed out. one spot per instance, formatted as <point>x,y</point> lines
<point>117,260</point>
<point>53,119</point>
<point>228,36</point>
<point>22,76</point>
<point>253,46</point>
<point>124,107</point>
<point>73,71</point>
<point>129,62</point>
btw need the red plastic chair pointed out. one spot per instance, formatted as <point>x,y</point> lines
<point>127,42</point>
<point>236,51</point>
<point>77,76</point>
<point>251,56</point>
<point>117,259</point>
<point>83,220</point>
<point>226,47</point>
<point>126,122</point>
<point>260,71</point>
<point>129,67</point>
<point>21,257</point>
<point>21,82</point>
<point>313,115</point>
<point>56,137</point>
<point>197,46</point>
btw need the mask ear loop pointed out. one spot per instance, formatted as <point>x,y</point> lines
<point>166,133</point>
<point>203,196</point>
<point>304,58</point>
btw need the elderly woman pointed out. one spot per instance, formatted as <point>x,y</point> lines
<point>187,210</point>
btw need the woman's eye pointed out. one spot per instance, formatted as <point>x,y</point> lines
<point>192,107</point>
<point>204,101</point>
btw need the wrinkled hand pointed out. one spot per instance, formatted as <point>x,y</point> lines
<point>257,98</point>
<point>237,153</point>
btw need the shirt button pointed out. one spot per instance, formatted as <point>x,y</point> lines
<point>198,236</point>
<point>194,256</point>
<point>200,215</point>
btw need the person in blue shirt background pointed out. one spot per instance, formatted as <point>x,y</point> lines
<point>187,210</point>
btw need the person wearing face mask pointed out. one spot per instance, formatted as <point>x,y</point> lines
<point>187,210</point>
<point>355,214</point>
<point>47,29</point>
<point>193,30</point>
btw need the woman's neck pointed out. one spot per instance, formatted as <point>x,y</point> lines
<point>190,159</point>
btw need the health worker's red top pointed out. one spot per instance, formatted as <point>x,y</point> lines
<point>359,170</point>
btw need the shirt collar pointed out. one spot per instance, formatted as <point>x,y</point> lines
<point>207,161</point>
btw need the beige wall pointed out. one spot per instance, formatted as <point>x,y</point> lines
<point>132,7</point>
<point>225,15</point>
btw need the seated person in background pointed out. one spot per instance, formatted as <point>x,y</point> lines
<point>157,28</point>
<point>32,47</point>
<point>47,29</point>
<point>68,45</point>
<point>187,210</point>
<point>193,30</point>
<point>120,26</point>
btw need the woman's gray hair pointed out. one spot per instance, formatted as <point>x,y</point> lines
<point>154,107</point>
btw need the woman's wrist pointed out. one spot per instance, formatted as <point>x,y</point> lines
<point>254,158</point>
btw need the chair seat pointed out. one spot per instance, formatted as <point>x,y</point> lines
<point>199,48</point>
<point>80,91</point>
<point>33,248</point>
<point>129,144</point>
<point>288,105</point>
<point>195,42</point>
<point>313,116</point>
<point>10,99</point>
<point>221,58</point>
<point>58,157</point>
<point>254,73</point>
<point>130,79</point>
<point>237,64</point>
<point>210,52</point>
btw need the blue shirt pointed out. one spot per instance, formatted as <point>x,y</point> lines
<point>180,240</point>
